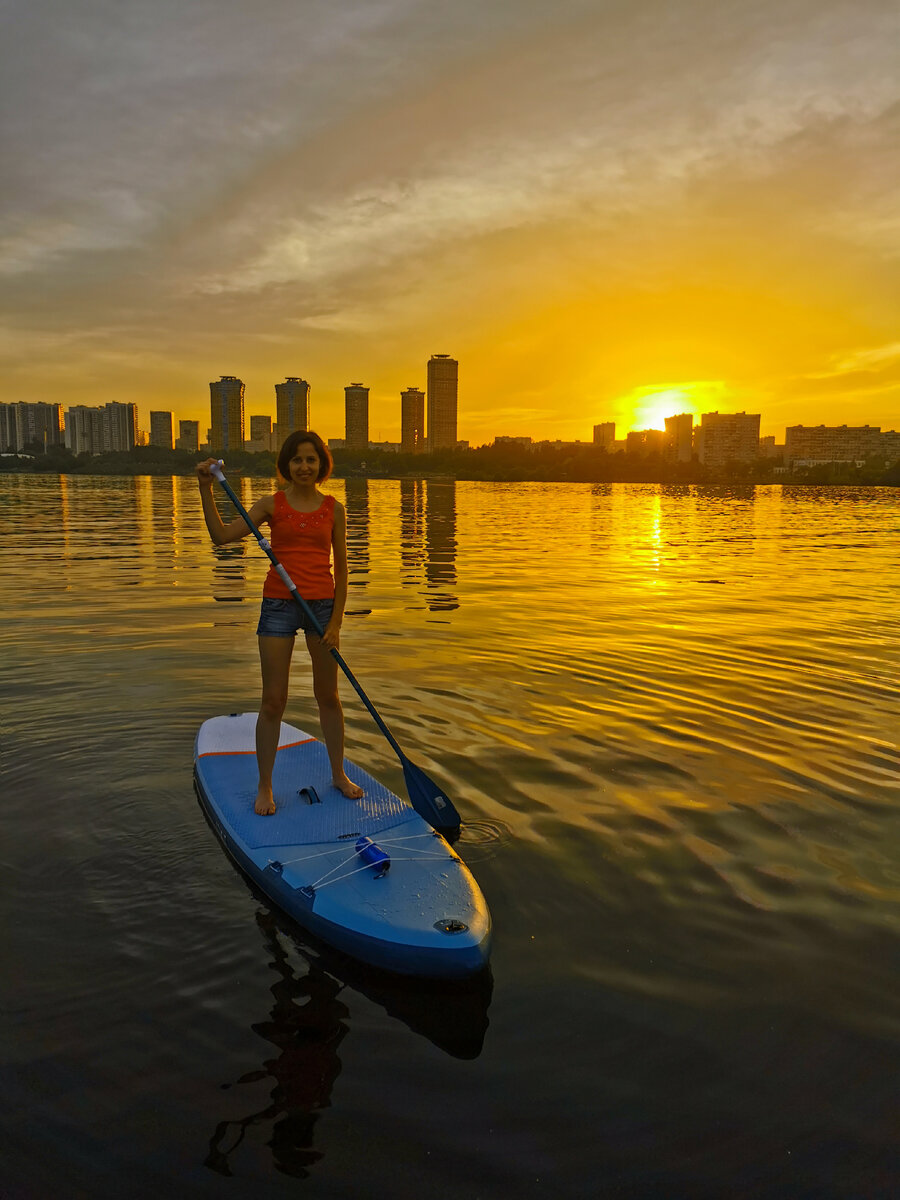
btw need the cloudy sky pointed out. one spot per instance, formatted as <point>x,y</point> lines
<point>605,209</point>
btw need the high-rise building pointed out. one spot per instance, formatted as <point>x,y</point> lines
<point>161,429</point>
<point>728,437</point>
<point>8,429</point>
<point>84,429</point>
<point>101,430</point>
<point>291,406</point>
<point>188,436</point>
<point>679,437</point>
<point>412,421</point>
<point>226,413</point>
<point>24,424</point>
<point>356,417</point>
<point>605,436</point>
<point>443,383</point>
<point>831,443</point>
<point>120,426</point>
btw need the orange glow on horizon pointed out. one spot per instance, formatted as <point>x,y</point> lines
<point>647,407</point>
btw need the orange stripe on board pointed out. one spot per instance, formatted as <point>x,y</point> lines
<point>224,753</point>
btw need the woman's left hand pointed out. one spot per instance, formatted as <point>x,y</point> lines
<point>331,636</point>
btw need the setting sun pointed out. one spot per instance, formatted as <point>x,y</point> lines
<point>647,407</point>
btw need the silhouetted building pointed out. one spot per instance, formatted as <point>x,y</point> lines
<point>161,429</point>
<point>291,407</point>
<point>728,437</point>
<point>559,444</point>
<point>525,442</point>
<point>112,427</point>
<point>30,424</point>
<point>605,436</point>
<point>120,426</point>
<point>813,444</point>
<point>226,413</point>
<point>84,429</point>
<point>188,436</point>
<point>769,448</point>
<point>412,421</point>
<point>356,417</point>
<point>260,434</point>
<point>8,429</point>
<point>644,442</point>
<point>443,384</point>
<point>679,437</point>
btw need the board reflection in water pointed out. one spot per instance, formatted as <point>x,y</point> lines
<point>308,1022</point>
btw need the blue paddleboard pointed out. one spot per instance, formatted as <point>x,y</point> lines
<point>368,876</point>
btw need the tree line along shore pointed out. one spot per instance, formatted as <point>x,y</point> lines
<point>502,464</point>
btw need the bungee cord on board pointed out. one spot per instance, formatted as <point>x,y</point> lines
<point>382,864</point>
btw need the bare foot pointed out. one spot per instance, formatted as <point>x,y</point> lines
<point>350,789</point>
<point>265,803</point>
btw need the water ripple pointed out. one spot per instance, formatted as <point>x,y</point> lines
<point>668,717</point>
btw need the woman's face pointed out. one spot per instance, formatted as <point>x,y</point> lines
<point>305,463</point>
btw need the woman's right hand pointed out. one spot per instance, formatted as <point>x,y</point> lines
<point>205,476</point>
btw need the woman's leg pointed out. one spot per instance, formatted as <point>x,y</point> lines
<point>331,715</point>
<point>275,661</point>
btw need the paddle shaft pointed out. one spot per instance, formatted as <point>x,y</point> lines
<point>310,615</point>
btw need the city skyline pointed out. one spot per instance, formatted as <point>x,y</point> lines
<point>291,411</point>
<point>725,436</point>
<point>608,214</point>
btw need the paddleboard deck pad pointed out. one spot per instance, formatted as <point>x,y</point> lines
<point>368,876</point>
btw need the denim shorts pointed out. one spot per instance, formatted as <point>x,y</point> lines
<point>285,618</point>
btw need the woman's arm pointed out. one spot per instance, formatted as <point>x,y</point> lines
<point>339,556</point>
<point>221,533</point>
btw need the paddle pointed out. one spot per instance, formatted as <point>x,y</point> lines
<point>429,801</point>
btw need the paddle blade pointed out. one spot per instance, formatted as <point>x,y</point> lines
<point>430,801</point>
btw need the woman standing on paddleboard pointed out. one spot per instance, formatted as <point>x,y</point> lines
<point>308,533</point>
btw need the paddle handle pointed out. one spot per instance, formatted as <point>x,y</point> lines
<point>216,469</point>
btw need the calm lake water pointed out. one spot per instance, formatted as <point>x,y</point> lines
<point>669,719</point>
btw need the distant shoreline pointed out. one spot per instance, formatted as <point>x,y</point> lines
<point>582,464</point>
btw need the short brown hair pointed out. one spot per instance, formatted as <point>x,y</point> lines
<point>289,449</point>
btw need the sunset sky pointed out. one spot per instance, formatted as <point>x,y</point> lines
<point>605,210</point>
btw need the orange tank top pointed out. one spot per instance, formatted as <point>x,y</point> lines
<point>302,544</point>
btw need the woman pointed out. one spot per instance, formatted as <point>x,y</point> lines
<point>308,530</point>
